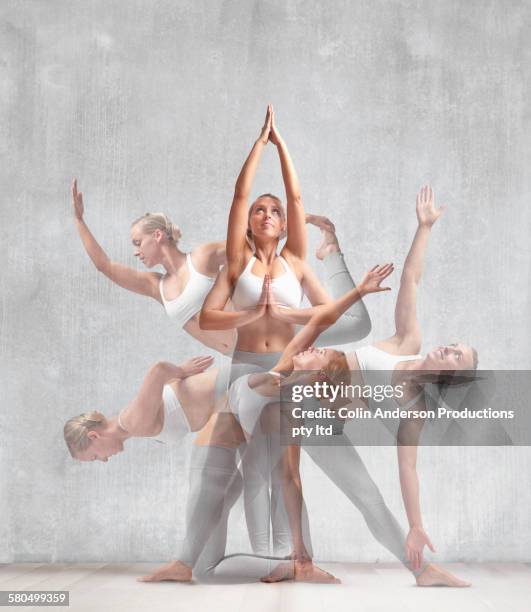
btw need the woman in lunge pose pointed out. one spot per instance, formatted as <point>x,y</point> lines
<point>395,360</point>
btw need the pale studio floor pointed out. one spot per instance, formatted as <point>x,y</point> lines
<point>503,587</point>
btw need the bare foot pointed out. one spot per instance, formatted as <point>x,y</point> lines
<point>436,576</point>
<point>284,571</point>
<point>175,571</point>
<point>300,571</point>
<point>329,243</point>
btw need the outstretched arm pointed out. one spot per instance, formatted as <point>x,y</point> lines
<point>237,225</point>
<point>147,403</point>
<point>296,217</point>
<point>407,333</point>
<point>326,315</point>
<point>407,444</point>
<point>145,283</point>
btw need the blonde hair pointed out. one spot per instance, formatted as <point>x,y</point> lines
<point>159,221</point>
<point>76,430</point>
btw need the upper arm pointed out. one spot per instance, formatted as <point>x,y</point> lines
<point>237,229</point>
<point>147,403</point>
<point>409,431</point>
<point>312,287</point>
<point>301,341</point>
<point>145,283</point>
<point>297,238</point>
<point>406,323</point>
<point>220,293</point>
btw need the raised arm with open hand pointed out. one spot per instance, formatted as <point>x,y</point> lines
<point>77,201</point>
<point>427,213</point>
<point>327,314</point>
<point>145,283</point>
<point>371,283</point>
<point>407,331</point>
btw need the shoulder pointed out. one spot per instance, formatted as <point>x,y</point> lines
<point>154,279</point>
<point>236,267</point>
<point>208,257</point>
<point>297,264</point>
<point>398,345</point>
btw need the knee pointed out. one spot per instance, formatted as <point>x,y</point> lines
<point>363,325</point>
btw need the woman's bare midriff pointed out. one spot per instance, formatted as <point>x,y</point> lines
<point>266,335</point>
<point>222,429</point>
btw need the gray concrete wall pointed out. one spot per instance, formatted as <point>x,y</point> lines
<point>153,106</point>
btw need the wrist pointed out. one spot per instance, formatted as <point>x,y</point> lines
<point>362,289</point>
<point>253,315</point>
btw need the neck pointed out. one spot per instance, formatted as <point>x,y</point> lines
<point>267,252</point>
<point>172,259</point>
<point>411,365</point>
<point>115,430</point>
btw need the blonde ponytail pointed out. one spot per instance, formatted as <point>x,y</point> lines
<point>159,221</point>
<point>76,430</point>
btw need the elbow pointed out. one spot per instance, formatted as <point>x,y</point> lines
<point>326,317</point>
<point>103,266</point>
<point>409,277</point>
<point>240,193</point>
<point>205,322</point>
<point>296,199</point>
<point>363,326</point>
<point>159,370</point>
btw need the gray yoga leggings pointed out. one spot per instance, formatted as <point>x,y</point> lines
<point>355,323</point>
<point>215,481</point>
<point>215,485</point>
<point>265,514</point>
<point>343,465</point>
<point>264,509</point>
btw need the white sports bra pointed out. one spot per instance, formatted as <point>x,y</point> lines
<point>247,405</point>
<point>377,367</point>
<point>286,288</point>
<point>175,425</point>
<point>189,302</point>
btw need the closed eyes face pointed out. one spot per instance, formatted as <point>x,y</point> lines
<point>454,356</point>
<point>145,246</point>
<point>100,448</point>
<point>312,358</point>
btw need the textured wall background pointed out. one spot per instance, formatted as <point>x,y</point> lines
<point>153,106</point>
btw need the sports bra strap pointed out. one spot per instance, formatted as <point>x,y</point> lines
<point>287,267</point>
<point>249,265</point>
